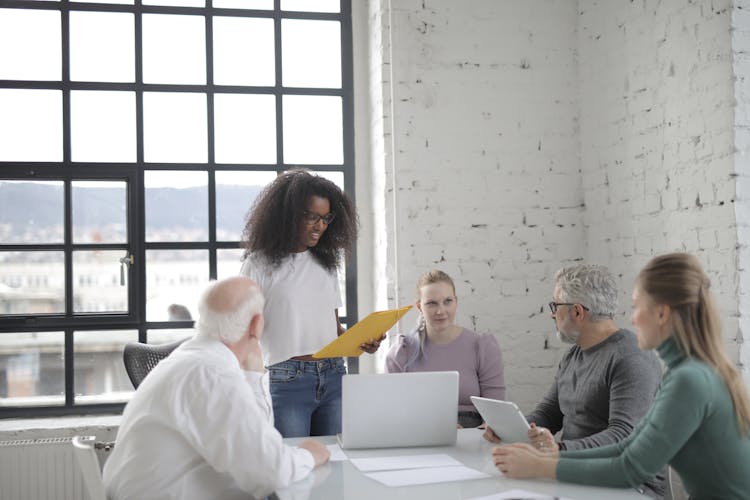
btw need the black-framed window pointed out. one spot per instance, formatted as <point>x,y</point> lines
<point>134,136</point>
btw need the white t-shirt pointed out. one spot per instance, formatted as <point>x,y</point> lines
<point>200,427</point>
<point>301,299</point>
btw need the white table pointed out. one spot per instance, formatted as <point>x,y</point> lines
<point>341,480</point>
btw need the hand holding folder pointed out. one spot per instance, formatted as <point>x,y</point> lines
<point>372,327</point>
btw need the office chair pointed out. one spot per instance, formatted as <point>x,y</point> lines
<point>141,358</point>
<point>88,463</point>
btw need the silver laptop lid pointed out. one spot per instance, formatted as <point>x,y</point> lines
<point>399,410</point>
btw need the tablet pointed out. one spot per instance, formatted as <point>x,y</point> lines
<point>504,418</point>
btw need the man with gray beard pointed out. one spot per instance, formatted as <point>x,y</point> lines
<point>605,383</point>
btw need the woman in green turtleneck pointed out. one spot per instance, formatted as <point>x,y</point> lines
<point>699,422</point>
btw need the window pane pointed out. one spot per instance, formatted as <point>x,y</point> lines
<point>243,51</point>
<point>103,126</point>
<point>179,57</point>
<point>32,371</point>
<point>99,212</point>
<point>176,3</point>
<point>335,177</point>
<point>100,375</point>
<point>30,125</point>
<point>96,282</point>
<point>174,127</point>
<point>102,47</point>
<point>342,286</point>
<point>228,262</point>
<point>31,212</point>
<point>168,336</point>
<point>30,35</point>
<point>130,2</point>
<point>174,277</point>
<point>176,205</point>
<point>311,5</point>
<point>311,53</point>
<point>313,131</point>
<point>244,4</point>
<point>32,283</point>
<point>245,128</point>
<point>235,193</point>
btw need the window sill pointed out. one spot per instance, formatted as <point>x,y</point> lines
<point>104,427</point>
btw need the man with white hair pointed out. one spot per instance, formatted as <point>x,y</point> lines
<point>605,383</point>
<point>201,424</point>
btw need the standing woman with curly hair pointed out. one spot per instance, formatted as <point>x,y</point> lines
<point>295,237</point>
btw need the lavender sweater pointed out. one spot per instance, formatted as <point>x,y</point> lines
<point>475,356</point>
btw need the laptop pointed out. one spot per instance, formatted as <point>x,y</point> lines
<point>399,410</point>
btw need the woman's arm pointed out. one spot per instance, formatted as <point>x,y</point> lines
<point>490,367</point>
<point>398,355</point>
<point>677,412</point>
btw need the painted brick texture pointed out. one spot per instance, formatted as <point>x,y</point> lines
<point>485,181</point>
<point>517,137</point>
<point>657,139</point>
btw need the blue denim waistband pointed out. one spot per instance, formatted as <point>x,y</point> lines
<point>312,366</point>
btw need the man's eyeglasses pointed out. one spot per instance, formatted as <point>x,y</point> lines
<point>554,305</point>
<point>311,218</point>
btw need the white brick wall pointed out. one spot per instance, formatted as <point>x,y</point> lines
<point>511,138</point>
<point>481,178</point>
<point>741,64</point>
<point>657,139</point>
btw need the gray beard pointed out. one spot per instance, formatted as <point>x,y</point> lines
<point>567,338</point>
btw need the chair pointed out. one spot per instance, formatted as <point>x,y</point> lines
<point>675,489</point>
<point>88,463</point>
<point>141,358</point>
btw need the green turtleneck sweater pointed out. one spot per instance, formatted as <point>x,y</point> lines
<point>691,426</point>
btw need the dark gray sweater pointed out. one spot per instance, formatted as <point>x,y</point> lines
<point>600,394</point>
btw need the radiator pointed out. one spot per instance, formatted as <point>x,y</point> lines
<point>40,469</point>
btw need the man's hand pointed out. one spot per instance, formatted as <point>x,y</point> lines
<point>372,346</point>
<point>254,360</point>
<point>542,439</point>
<point>490,436</point>
<point>318,450</point>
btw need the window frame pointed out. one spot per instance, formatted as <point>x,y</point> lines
<point>134,172</point>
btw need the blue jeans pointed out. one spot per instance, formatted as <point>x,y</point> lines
<point>306,396</point>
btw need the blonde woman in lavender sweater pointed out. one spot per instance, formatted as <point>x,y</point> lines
<point>439,344</point>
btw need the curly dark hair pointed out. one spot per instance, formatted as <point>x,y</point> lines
<point>273,223</point>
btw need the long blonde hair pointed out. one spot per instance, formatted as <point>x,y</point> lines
<point>420,332</point>
<point>678,280</point>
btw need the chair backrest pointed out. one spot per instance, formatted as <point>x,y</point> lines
<point>141,358</point>
<point>675,489</point>
<point>88,463</point>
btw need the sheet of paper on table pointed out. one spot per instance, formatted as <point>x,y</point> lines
<point>427,475</point>
<point>404,462</point>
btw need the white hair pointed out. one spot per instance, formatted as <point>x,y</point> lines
<point>229,326</point>
<point>590,285</point>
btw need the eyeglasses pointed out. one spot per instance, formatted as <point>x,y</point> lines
<point>311,218</point>
<point>554,305</point>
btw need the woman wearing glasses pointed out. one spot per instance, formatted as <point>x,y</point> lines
<point>439,344</point>
<point>295,237</point>
<point>699,422</point>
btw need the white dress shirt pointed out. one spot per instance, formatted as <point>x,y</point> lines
<point>199,427</point>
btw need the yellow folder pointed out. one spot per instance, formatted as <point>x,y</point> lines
<point>372,327</point>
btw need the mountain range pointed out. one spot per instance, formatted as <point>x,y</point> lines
<point>167,208</point>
